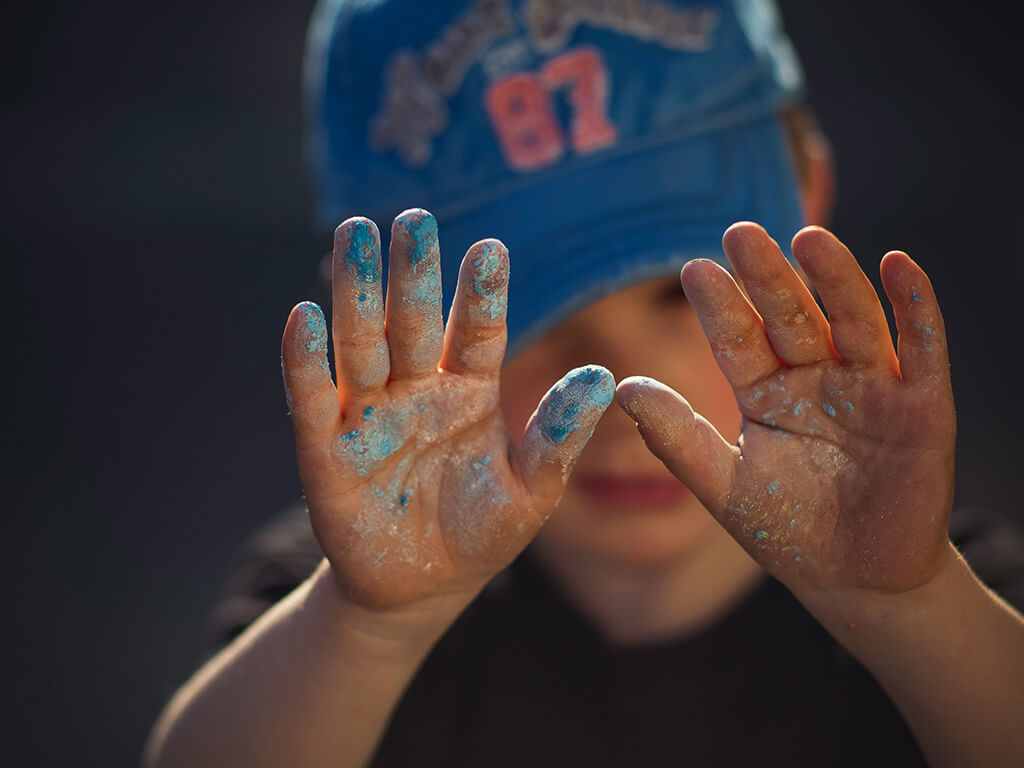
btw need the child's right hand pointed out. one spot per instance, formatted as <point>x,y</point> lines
<point>414,487</point>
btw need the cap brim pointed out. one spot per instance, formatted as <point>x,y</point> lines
<point>583,235</point>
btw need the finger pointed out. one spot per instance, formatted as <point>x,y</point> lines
<point>360,347</point>
<point>559,429</point>
<point>474,341</point>
<point>923,353</point>
<point>732,326</point>
<point>795,325</point>
<point>860,332</point>
<point>415,328</point>
<point>309,391</point>
<point>686,442</point>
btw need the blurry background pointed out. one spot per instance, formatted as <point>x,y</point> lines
<point>157,229</point>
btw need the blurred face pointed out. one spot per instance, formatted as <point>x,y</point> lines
<point>621,503</point>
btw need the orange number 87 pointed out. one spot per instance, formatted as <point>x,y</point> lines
<point>523,115</point>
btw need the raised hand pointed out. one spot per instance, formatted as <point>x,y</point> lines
<point>414,486</point>
<point>842,477</point>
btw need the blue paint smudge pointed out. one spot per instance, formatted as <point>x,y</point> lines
<point>368,412</point>
<point>848,405</point>
<point>913,295</point>
<point>761,534</point>
<point>580,393</point>
<point>421,227</point>
<point>404,500</point>
<point>488,280</point>
<point>316,325</point>
<point>928,331</point>
<point>378,440</point>
<point>802,406</point>
<point>773,487</point>
<point>363,257</point>
<point>828,409</point>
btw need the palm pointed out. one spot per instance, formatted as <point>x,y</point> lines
<point>842,476</point>
<point>414,487</point>
<point>419,492</point>
<point>825,494</point>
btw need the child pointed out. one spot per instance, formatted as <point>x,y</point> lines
<point>770,582</point>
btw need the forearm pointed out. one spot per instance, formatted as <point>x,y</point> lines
<point>951,657</point>
<point>312,683</point>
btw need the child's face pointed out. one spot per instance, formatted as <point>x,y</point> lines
<point>621,503</point>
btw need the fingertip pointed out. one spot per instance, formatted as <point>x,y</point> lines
<point>897,259</point>
<point>487,253</point>
<point>308,329</point>
<point>576,402</point>
<point>740,232</point>
<point>696,271</point>
<point>904,280</point>
<point>487,262</point>
<point>647,401</point>
<point>810,238</point>
<point>634,388</point>
<point>357,248</point>
<point>562,425</point>
<point>417,224</point>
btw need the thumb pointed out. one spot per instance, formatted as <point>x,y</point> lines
<point>559,429</point>
<point>686,442</point>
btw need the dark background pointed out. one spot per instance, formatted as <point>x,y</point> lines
<point>157,229</point>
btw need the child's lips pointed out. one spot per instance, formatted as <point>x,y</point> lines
<point>630,490</point>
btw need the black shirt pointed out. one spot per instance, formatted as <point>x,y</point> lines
<point>523,679</point>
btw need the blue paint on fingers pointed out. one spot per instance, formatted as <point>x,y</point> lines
<point>363,256</point>
<point>316,330</point>
<point>421,228</point>
<point>575,399</point>
<point>490,278</point>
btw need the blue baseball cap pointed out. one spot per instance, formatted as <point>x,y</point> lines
<point>605,142</point>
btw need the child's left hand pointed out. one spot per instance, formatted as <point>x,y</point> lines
<point>842,478</point>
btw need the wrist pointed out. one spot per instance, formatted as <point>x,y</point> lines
<point>396,634</point>
<point>949,655</point>
<point>853,614</point>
